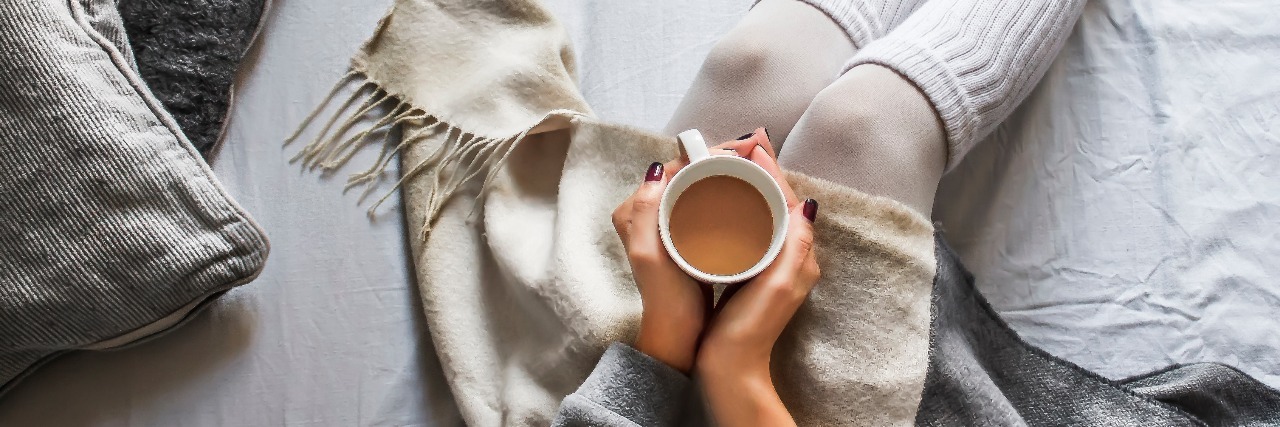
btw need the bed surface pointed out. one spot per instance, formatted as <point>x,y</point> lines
<point>1124,219</point>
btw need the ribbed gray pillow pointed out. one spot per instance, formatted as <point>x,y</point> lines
<point>111,226</point>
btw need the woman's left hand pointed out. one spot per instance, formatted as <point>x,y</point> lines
<point>676,306</point>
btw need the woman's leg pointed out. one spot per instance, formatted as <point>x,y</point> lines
<point>874,131</point>
<point>917,99</point>
<point>764,72</point>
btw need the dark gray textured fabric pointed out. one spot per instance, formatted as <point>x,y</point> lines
<point>982,373</point>
<point>1216,393</point>
<point>188,52</point>
<point>111,221</point>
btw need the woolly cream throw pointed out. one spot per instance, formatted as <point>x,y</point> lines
<point>523,280</point>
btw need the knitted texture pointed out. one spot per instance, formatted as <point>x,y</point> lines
<point>975,60</point>
<point>866,20</point>
<point>111,221</point>
<point>982,373</point>
<point>1214,392</point>
<point>629,386</point>
<point>188,52</point>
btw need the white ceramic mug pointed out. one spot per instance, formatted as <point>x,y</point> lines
<point>703,165</point>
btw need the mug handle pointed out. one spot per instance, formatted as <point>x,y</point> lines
<point>695,148</point>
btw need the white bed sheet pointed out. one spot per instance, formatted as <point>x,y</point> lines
<point>1123,220</point>
<point>331,334</point>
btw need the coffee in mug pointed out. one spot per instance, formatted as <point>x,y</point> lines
<point>721,225</point>
<point>722,218</point>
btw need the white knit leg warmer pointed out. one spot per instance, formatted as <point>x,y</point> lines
<point>975,60</point>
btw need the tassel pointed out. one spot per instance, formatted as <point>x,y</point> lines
<point>461,157</point>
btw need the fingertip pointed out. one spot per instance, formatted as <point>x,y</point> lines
<point>766,143</point>
<point>801,225</point>
<point>654,173</point>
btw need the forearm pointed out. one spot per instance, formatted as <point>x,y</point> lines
<point>747,399</point>
<point>669,332</point>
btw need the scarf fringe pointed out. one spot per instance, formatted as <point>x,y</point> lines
<point>463,156</point>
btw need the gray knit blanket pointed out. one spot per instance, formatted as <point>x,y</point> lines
<point>982,373</point>
<point>112,228</point>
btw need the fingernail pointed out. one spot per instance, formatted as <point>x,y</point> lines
<point>766,134</point>
<point>810,209</point>
<point>745,137</point>
<point>654,173</point>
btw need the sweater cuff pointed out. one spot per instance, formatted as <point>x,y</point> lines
<point>636,386</point>
<point>936,80</point>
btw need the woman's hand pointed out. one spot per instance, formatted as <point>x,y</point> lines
<point>676,306</point>
<point>733,361</point>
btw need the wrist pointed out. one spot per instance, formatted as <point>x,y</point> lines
<point>740,369</point>
<point>742,397</point>
<point>669,340</point>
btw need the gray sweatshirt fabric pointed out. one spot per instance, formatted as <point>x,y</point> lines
<point>980,373</point>
<point>627,388</point>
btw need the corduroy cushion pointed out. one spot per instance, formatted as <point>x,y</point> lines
<point>111,226</point>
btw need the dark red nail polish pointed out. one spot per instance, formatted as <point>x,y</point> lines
<point>766,135</point>
<point>654,173</point>
<point>745,137</point>
<point>810,209</point>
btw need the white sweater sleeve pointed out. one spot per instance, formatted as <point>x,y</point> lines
<point>975,60</point>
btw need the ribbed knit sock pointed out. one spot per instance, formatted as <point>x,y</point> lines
<point>975,60</point>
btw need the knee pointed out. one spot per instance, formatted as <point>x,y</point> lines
<point>839,111</point>
<point>738,58</point>
<point>876,113</point>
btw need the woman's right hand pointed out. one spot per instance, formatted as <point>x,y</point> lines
<point>733,360</point>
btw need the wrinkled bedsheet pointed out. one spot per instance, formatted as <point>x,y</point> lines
<point>1123,219</point>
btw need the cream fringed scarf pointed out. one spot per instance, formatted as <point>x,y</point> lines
<point>522,278</point>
